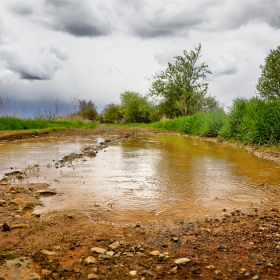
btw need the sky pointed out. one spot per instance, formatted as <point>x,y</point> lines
<point>57,50</point>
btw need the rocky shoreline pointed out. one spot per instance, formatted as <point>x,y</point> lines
<point>68,245</point>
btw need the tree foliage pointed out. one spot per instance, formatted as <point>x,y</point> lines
<point>135,107</point>
<point>87,110</point>
<point>269,83</point>
<point>182,86</point>
<point>112,113</point>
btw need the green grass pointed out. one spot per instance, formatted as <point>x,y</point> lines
<point>202,124</point>
<point>15,124</point>
<point>253,121</point>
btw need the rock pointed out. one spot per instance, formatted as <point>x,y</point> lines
<point>133,273</point>
<point>6,227</point>
<point>174,269</point>
<point>46,192</point>
<point>98,250</point>
<point>256,277</point>
<point>110,253</point>
<point>155,253</point>
<point>45,272</point>
<point>114,245</point>
<point>28,205</point>
<point>210,266</point>
<point>70,216</point>
<point>90,260</point>
<point>182,261</point>
<point>128,255</point>
<point>2,202</point>
<point>92,276</point>
<point>48,253</point>
<point>17,268</point>
<point>33,276</point>
<point>175,239</point>
<point>17,189</point>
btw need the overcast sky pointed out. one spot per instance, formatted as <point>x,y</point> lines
<point>97,49</point>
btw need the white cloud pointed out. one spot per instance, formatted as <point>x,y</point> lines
<point>98,49</point>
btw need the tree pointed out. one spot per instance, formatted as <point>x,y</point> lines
<point>182,86</point>
<point>87,110</point>
<point>135,108</point>
<point>269,83</point>
<point>112,113</point>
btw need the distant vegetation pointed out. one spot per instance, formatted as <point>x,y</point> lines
<point>178,100</point>
<point>8,124</point>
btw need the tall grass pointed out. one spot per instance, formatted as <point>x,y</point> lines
<point>8,124</point>
<point>202,124</point>
<point>253,121</point>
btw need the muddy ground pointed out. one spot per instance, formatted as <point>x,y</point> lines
<point>68,245</point>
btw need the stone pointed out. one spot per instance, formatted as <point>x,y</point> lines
<point>17,189</point>
<point>110,253</point>
<point>155,253</point>
<point>48,253</point>
<point>114,245</point>
<point>98,250</point>
<point>92,276</point>
<point>133,273</point>
<point>28,205</point>
<point>33,276</point>
<point>90,260</point>
<point>182,261</point>
<point>2,202</point>
<point>45,272</point>
<point>46,192</point>
<point>12,269</point>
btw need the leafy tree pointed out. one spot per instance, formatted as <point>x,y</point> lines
<point>269,83</point>
<point>135,108</point>
<point>112,113</point>
<point>87,110</point>
<point>182,86</point>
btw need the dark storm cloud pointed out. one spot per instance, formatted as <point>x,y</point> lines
<point>167,18</point>
<point>78,18</point>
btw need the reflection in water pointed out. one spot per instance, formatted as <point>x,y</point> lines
<point>149,177</point>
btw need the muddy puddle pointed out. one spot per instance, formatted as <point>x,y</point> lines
<point>154,178</point>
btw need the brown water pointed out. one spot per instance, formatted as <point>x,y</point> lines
<point>155,178</point>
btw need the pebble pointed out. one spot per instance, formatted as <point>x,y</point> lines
<point>45,272</point>
<point>114,245</point>
<point>110,253</point>
<point>256,277</point>
<point>128,255</point>
<point>133,273</point>
<point>2,202</point>
<point>98,250</point>
<point>48,253</point>
<point>90,260</point>
<point>155,253</point>
<point>92,276</point>
<point>182,260</point>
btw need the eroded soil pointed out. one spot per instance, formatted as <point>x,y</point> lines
<point>70,245</point>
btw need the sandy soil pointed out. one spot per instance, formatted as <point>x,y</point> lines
<point>63,245</point>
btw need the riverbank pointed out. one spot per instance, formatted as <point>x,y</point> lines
<point>70,245</point>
